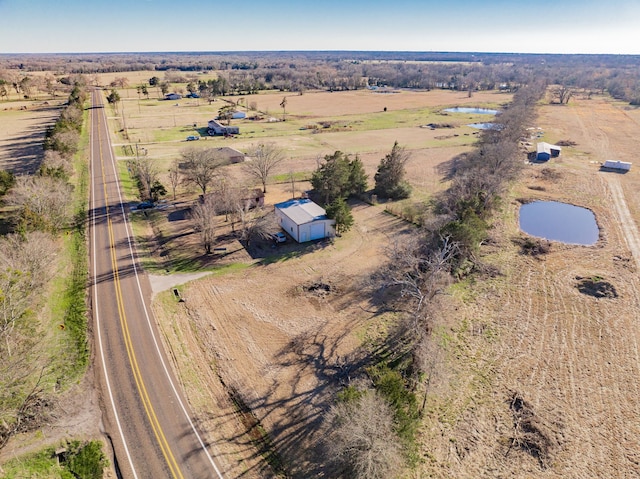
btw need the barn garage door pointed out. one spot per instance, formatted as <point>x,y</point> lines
<point>317,231</point>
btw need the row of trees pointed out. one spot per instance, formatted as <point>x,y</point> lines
<point>43,208</point>
<point>339,177</point>
<point>42,200</point>
<point>393,389</point>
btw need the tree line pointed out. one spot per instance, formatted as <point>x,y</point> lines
<point>371,429</point>
<point>43,207</point>
<point>245,73</point>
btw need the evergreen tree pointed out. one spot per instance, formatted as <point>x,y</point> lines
<point>390,175</point>
<point>339,177</point>
<point>339,210</point>
<point>357,177</point>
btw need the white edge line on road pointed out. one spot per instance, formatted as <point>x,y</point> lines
<point>96,304</point>
<point>147,316</point>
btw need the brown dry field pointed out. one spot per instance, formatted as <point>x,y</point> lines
<point>22,128</point>
<point>571,360</point>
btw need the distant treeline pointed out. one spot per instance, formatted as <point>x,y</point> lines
<point>344,70</point>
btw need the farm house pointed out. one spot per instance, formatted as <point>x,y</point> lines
<point>304,220</point>
<point>616,165</point>
<point>216,128</point>
<point>546,151</point>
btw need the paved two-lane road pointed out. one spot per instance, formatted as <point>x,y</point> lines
<point>145,414</point>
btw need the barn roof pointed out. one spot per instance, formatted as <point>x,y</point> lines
<point>302,211</point>
<point>547,147</point>
<point>618,165</point>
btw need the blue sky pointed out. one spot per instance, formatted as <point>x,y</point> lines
<point>534,26</point>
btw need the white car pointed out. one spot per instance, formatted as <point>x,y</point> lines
<point>279,237</point>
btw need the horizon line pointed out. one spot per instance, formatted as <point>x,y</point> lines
<point>229,52</point>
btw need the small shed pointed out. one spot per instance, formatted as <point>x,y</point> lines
<point>616,165</point>
<point>304,220</point>
<point>546,151</point>
<point>172,96</point>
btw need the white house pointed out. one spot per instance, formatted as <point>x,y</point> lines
<point>616,165</point>
<point>304,220</point>
<point>216,128</point>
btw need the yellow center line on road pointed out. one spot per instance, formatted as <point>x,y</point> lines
<point>142,390</point>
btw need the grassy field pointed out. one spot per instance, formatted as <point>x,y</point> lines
<point>317,124</point>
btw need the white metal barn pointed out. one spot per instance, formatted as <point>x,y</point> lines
<point>617,165</point>
<point>304,220</point>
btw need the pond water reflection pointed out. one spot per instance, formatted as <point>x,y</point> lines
<point>484,126</point>
<point>476,111</point>
<point>557,221</point>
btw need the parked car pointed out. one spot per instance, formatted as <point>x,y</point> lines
<point>145,205</point>
<point>279,237</point>
<point>193,137</point>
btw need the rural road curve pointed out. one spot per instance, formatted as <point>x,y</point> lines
<point>145,414</point>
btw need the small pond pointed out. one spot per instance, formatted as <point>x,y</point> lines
<point>557,221</point>
<point>476,111</point>
<point>485,126</point>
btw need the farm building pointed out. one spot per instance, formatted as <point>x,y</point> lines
<point>616,165</point>
<point>216,128</point>
<point>304,220</point>
<point>546,151</point>
<point>229,155</point>
<point>172,96</point>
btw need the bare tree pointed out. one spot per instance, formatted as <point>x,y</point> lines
<point>361,438</point>
<point>25,266</point>
<point>417,271</point>
<point>263,158</point>
<point>254,223</point>
<point>174,177</point>
<point>204,222</point>
<point>43,202</point>
<point>200,167</point>
<point>562,93</point>
<point>146,172</point>
<point>228,199</point>
<point>428,359</point>
<point>55,164</point>
<point>283,104</point>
